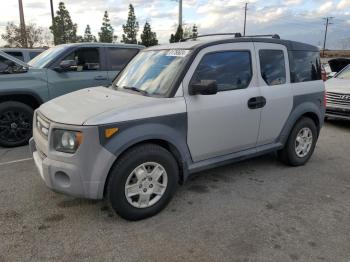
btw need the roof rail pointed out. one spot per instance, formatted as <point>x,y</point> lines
<point>275,36</point>
<point>199,36</point>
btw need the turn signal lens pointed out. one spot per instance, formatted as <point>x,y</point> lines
<point>109,132</point>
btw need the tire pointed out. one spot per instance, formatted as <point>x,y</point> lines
<point>123,174</point>
<point>16,120</point>
<point>289,154</point>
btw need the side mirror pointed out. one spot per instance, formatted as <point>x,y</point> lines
<point>67,65</point>
<point>205,87</point>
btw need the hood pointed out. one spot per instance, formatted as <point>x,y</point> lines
<point>338,85</point>
<point>78,107</point>
<point>14,59</point>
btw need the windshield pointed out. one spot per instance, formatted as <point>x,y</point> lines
<point>8,66</point>
<point>152,72</point>
<point>344,74</point>
<point>41,60</point>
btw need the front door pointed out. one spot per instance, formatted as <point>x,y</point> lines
<point>89,72</point>
<point>223,123</point>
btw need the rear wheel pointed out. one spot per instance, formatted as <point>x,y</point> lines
<point>300,144</point>
<point>15,123</point>
<point>142,182</point>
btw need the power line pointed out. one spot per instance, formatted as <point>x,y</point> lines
<point>245,18</point>
<point>328,22</point>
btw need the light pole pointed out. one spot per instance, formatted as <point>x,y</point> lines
<point>180,13</point>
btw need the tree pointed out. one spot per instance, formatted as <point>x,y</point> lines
<point>106,33</point>
<point>194,31</point>
<point>179,35</point>
<point>172,38</point>
<point>131,28</point>
<point>13,35</point>
<point>88,37</point>
<point>63,29</point>
<point>187,32</point>
<point>148,38</point>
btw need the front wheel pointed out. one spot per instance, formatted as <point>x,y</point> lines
<point>15,124</point>
<point>142,182</point>
<point>300,144</point>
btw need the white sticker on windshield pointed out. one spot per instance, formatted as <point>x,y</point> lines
<point>178,52</point>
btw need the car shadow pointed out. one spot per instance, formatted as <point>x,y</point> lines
<point>345,124</point>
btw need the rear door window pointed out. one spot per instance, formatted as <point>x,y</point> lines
<point>272,67</point>
<point>18,55</point>
<point>33,54</point>
<point>120,57</point>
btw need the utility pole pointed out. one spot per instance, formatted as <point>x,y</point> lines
<point>22,25</point>
<point>52,12</point>
<point>328,22</point>
<point>245,17</point>
<point>180,13</point>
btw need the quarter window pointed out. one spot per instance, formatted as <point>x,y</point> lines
<point>305,66</point>
<point>120,57</point>
<point>88,59</point>
<point>272,67</point>
<point>230,69</point>
<point>18,55</point>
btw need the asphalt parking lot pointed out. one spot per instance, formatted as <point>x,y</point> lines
<point>257,210</point>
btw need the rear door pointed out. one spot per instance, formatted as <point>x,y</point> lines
<point>223,123</point>
<point>90,71</point>
<point>274,81</point>
<point>117,59</point>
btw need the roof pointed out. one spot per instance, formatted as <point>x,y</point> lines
<point>201,43</point>
<point>18,49</point>
<point>94,44</point>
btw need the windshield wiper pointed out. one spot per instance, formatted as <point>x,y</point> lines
<point>144,92</point>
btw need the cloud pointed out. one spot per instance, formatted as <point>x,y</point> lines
<point>343,4</point>
<point>326,7</point>
<point>293,2</point>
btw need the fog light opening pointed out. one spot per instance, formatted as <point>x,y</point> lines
<point>62,179</point>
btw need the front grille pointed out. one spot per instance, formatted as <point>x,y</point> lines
<point>338,112</point>
<point>43,125</point>
<point>338,99</point>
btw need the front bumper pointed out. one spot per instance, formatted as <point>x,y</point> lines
<point>82,174</point>
<point>338,112</point>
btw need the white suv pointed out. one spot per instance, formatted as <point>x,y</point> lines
<point>178,109</point>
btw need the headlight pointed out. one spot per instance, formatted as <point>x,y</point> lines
<point>67,141</point>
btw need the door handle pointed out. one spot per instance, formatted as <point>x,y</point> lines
<point>256,102</point>
<point>100,78</point>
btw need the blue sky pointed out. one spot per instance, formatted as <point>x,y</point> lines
<point>293,19</point>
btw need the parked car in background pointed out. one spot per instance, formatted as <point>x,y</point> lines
<point>56,71</point>
<point>178,109</point>
<point>23,54</point>
<point>338,95</point>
